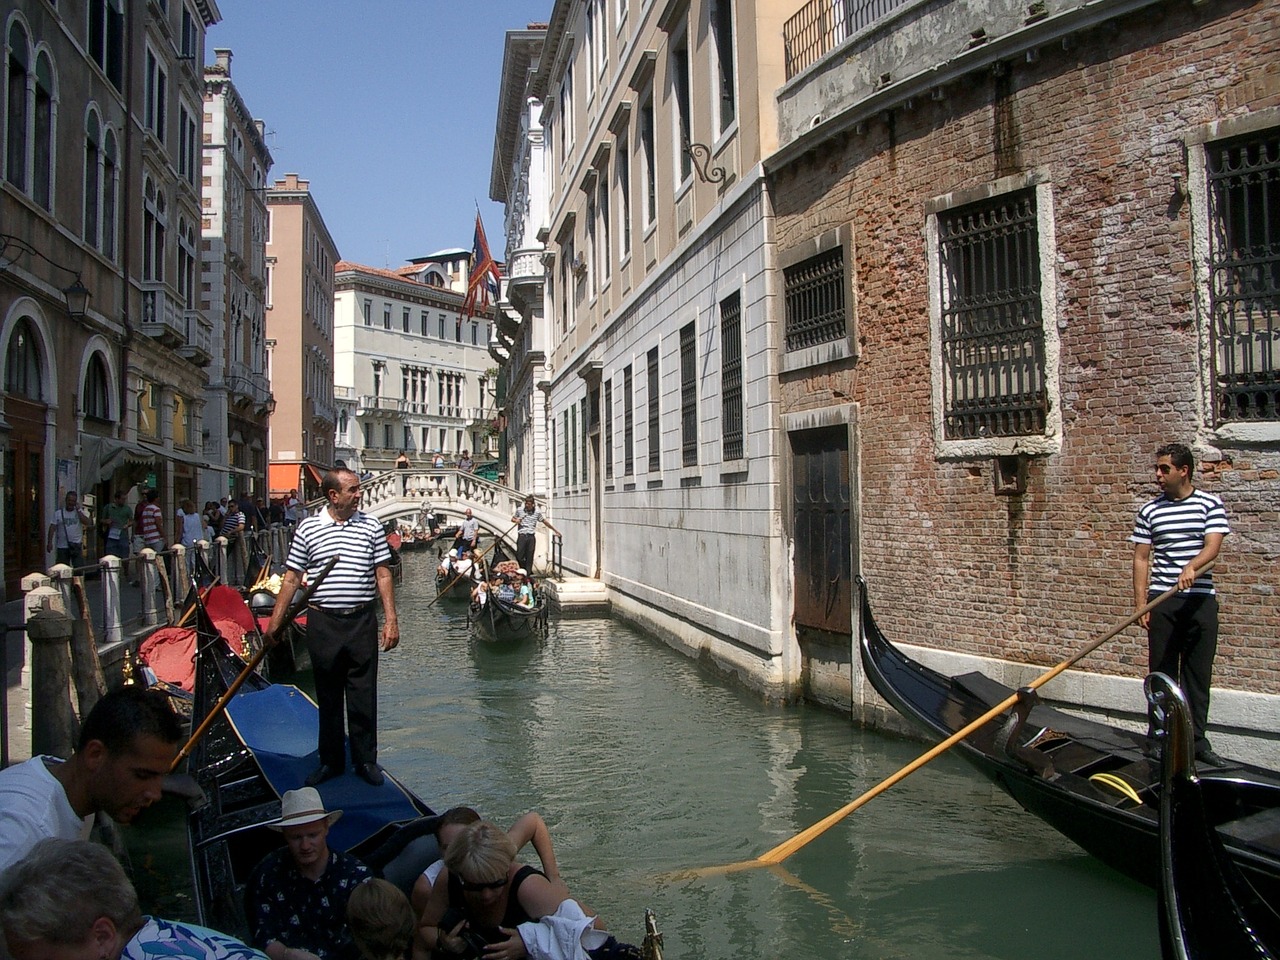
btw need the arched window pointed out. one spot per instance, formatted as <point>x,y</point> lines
<point>42,172</point>
<point>92,177</point>
<point>154,223</point>
<point>186,264</point>
<point>18,66</point>
<point>110,176</point>
<point>22,366</point>
<point>96,397</point>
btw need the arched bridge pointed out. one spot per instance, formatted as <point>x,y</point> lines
<point>403,494</point>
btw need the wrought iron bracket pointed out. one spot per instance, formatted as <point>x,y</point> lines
<point>700,154</point>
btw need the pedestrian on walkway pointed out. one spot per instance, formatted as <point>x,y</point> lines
<point>119,522</point>
<point>66,532</point>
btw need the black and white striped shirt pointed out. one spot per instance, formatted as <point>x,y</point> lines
<point>1176,529</point>
<point>359,542</point>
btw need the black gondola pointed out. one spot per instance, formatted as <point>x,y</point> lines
<point>1207,909</point>
<point>262,745</point>
<point>500,621</point>
<point>1089,781</point>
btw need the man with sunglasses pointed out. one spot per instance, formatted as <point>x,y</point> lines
<point>1175,536</point>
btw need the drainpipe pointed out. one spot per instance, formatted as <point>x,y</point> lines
<point>126,246</point>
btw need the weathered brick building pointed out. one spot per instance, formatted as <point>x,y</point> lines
<point>1016,255</point>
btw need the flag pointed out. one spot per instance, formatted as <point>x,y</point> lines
<point>482,283</point>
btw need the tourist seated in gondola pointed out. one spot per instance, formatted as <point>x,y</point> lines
<point>297,896</point>
<point>485,896</point>
<point>529,829</point>
<point>381,921</point>
<point>71,898</point>
<point>506,592</point>
<point>480,593</point>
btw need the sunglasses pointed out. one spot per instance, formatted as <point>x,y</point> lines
<point>487,885</point>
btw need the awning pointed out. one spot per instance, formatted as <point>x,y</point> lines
<point>283,477</point>
<point>183,456</point>
<point>101,457</point>
<point>316,473</point>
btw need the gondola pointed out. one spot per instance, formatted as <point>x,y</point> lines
<point>1207,909</point>
<point>1091,782</point>
<point>453,585</point>
<point>261,746</point>
<point>499,621</point>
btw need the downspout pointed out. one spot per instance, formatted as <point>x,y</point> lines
<point>126,246</point>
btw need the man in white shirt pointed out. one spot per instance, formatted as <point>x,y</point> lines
<point>66,532</point>
<point>127,744</point>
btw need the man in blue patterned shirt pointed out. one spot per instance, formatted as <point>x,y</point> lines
<point>297,896</point>
<point>1175,536</point>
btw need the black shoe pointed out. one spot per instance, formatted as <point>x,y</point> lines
<point>322,773</point>
<point>1206,755</point>
<point>371,773</point>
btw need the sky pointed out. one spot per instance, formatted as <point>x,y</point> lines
<point>387,107</point>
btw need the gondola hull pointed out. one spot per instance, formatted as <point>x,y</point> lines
<point>228,835</point>
<point>498,621</point>
<point>1078,776</point>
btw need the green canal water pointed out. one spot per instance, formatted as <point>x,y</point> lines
<point>646,768</point>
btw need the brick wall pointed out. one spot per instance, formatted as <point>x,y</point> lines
<point>1033,577</point>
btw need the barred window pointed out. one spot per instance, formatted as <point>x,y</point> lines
<point>655,426</point>
<point>992,330</point>
<point>815,300</point>
<point>1244,275</point>
<point>628,424</point>
<point>608,429</point>
<point>688,396</point>
<point>731,377</point>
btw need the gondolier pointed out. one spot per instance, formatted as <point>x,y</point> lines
<point>468,535</point>
<point>342,622</point>
<point>1176,535</point>
<point>528,518</point>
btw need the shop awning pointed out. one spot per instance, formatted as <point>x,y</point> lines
<point>101,457</point>
<point>283,477</point>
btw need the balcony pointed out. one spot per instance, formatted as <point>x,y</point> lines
<point>246,385</point>
<point>199,345</point>
<point>343,393</point>
<point>382,405</point>
<point>322,412</point>
<point>526,275</point>
<point>162,317</point>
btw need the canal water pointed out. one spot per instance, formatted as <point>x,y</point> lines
<point>646,769</point>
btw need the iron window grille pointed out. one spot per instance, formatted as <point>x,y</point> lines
<point>992,324</point>
<point>815,300</point>
<point>628,424</point>
<point>1244,275</point>
<point>688,396</point>
<point>608,429</point>
<point>731,376</point>
<point>655,426</point>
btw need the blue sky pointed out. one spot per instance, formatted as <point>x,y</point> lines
<point>386,106</point>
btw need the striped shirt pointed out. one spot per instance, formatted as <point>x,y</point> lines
<point>528,521</point>
<point>1175,530</point>
<point>149,521</point>
<point>233,521</point>
<point>359,543</point>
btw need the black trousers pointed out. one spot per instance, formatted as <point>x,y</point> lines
<point>1182,642</point>
<point>344,656</point>
<point>525,544</point>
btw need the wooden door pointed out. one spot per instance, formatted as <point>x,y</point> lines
<point>24,521</point>
<point>823,534</point>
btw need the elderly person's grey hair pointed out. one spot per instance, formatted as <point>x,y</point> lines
<point>61,888</point>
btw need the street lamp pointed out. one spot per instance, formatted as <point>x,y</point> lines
<point>77,294</point>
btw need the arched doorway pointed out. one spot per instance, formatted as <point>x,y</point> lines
<point>24,408</point>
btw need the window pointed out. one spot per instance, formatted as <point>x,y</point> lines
<point>724,97</point>
<point>386,316</point>
<point>408,439</point>
<point>15,169</point>
<point>592,247</point>
<point>149,410</point>
<point>731,377</point>
<point>181,421</point>
<point>92,176</point>
<point>188,144</point>
<point>991,322</point>
<point>813,291</point>
<point>386,435</point>
<point>106,38</point>
<point>622,170</point>
<point>475,334</point>
<point>606,246</point>
<point>608,429</point>
<point>570,443</point>
<point>682,134</point>
<point>155,222</point>
<point>110,187</point>
<point>404,320</point>
<point>23,369</point>
<point>1244,275</point>
<point>688,395</point>
<point>42,167</point>
<point>367,429</point>
<point>186,264</point>
<point>442,326</point>
<point>423,319</point>
<point>190,36</point>
<point>649,202</point>
<point>96,396</point>
<point>655,425</point>
<point>156,103</point>
<point>566,110</point>
<point>368,313</point>
<point>628,424</point>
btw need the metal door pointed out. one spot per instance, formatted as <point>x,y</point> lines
<point>823,534</point>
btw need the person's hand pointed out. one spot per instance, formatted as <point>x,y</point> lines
<point>1144,621</point>
<point>510,949</point>
<point>1187,577</point>
<point>452,941</point>
<point>390,638</point>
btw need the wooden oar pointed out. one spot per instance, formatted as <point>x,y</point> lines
<point>788,847</point>
<point>252,665</point>
<point>449,585</point>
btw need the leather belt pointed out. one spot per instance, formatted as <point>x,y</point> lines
<point>343,611</point>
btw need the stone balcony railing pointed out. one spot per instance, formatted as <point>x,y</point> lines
<point>199,346</point>
<point>162,317</point>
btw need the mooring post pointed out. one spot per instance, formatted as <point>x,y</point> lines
<point>112,625</point>
<point>150,583</point>
<point>52,722</point>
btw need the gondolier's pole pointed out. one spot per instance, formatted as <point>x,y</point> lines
<point>252,665</point>
<point>788,847</point>
<point>450,584</point>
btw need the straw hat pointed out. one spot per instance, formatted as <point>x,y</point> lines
<point>303,806</point>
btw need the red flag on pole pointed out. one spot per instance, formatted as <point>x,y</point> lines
<point>482,283</point>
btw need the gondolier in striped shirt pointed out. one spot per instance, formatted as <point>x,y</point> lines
<point>1177,534</point>
<point>342,621</point>
<point>526,538</point>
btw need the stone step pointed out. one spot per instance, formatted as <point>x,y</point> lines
<point>578,594</point>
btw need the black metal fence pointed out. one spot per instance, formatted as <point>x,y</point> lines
<point>822,25</point>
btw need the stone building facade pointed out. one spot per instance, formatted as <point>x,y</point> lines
<point>1052,243</point>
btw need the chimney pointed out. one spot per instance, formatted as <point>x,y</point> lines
<point>223,60</point>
